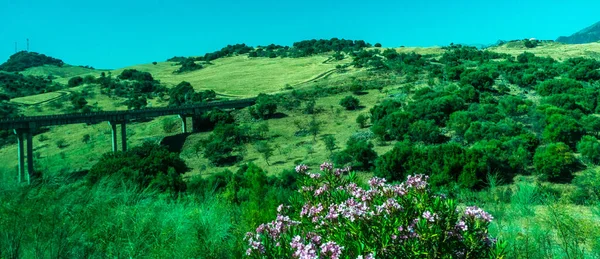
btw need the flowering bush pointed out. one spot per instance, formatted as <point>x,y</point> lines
<point>333,217</point>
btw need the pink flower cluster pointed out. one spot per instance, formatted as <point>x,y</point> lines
<point>429,216</point>
<point>332,203</point>
<point>301,168</point>
<point>276,227</point>
<point>321,190</point>
<point>369,256</point>
<point>326,166</point>
<point>478,213</point>
<point>303,251</point>
<point>331,250</point>
<point>418,181</point>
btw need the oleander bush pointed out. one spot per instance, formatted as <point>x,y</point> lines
<point>334,217</point>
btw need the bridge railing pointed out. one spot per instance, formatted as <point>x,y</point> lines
<point>128,114</point>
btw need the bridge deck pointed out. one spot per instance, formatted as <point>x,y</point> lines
<point>27,122</point>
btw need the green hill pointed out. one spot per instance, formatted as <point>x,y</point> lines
<point>24,59</point>
<point>587,35</point>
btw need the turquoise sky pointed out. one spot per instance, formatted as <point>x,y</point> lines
<point>113,34</point>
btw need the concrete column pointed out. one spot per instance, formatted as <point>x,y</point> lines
<point>21,152</point>
<point>124,136</point>
<point>183,123</point>
<point>30,170</point>
<point>113,127</point>
<point>193,122</point>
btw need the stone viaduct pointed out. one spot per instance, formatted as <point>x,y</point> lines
<point>24,127</point>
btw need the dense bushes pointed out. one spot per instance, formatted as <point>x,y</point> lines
<point>133,74</point>
<point>298,49</point>
<point>183,93</point>
<point>23,60</point>
<point>17,85</point>
<point>557,86</point>
<point>146,166</point>
<point>187,65</point>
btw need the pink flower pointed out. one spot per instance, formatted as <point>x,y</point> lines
<point>430,217</point>
<point>376,182</point>
<point>332,250</point>
<point>321,190</point>
<point>418,181</point>
<point>462,225</point>
<point>326,166</point>
<point>478,213</point>
<point>301,168</point>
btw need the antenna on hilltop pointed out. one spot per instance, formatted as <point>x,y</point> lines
<point>28,45</point>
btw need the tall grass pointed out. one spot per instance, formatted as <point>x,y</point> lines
<point>111,220</point>
<point>535,224</point>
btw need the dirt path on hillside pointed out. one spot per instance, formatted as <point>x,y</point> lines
<point>63,94</point>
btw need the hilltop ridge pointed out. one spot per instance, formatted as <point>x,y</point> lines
<point>587,35</point>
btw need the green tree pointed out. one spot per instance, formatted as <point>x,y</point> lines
<point>330,143</point>
<point>589,147</point>
<point>591,125</point>
<point>350,103</point>
<point>86,138</point>
<point>557,86</point>
<point>146,166</point>
<point>75,81</point>
<point>561,128</point>
<point>554,162</point>
<point>265,107</point>
<point>314,127</point>
<point>362,153</point>
<point>361,119</point>
<point>264,149</point>
<point>425,131</point>
<point>78,101</point>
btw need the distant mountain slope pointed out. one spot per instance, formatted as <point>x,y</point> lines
<point>587,35</point>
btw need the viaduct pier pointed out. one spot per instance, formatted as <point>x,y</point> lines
<point>24,127</point>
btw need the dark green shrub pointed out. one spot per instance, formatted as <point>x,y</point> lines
<point>183,93</point>
<point>350,103</point>
<point>425,131</point>
<point>146,166</point>
<point>133,74</point>
<point>481,80</point>
<point>589,147</point>
<point>188,65</point>
<point>361,119</point>
<point>561,128</point>
<point>557,86</point>
<point>554,162</point>
<point>588,187</point>
<point>265,107</point>
<point>75,81</point>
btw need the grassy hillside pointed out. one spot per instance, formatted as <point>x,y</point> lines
<point>557,51</point>
<point>243,76</point>
<point>62,74</point>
